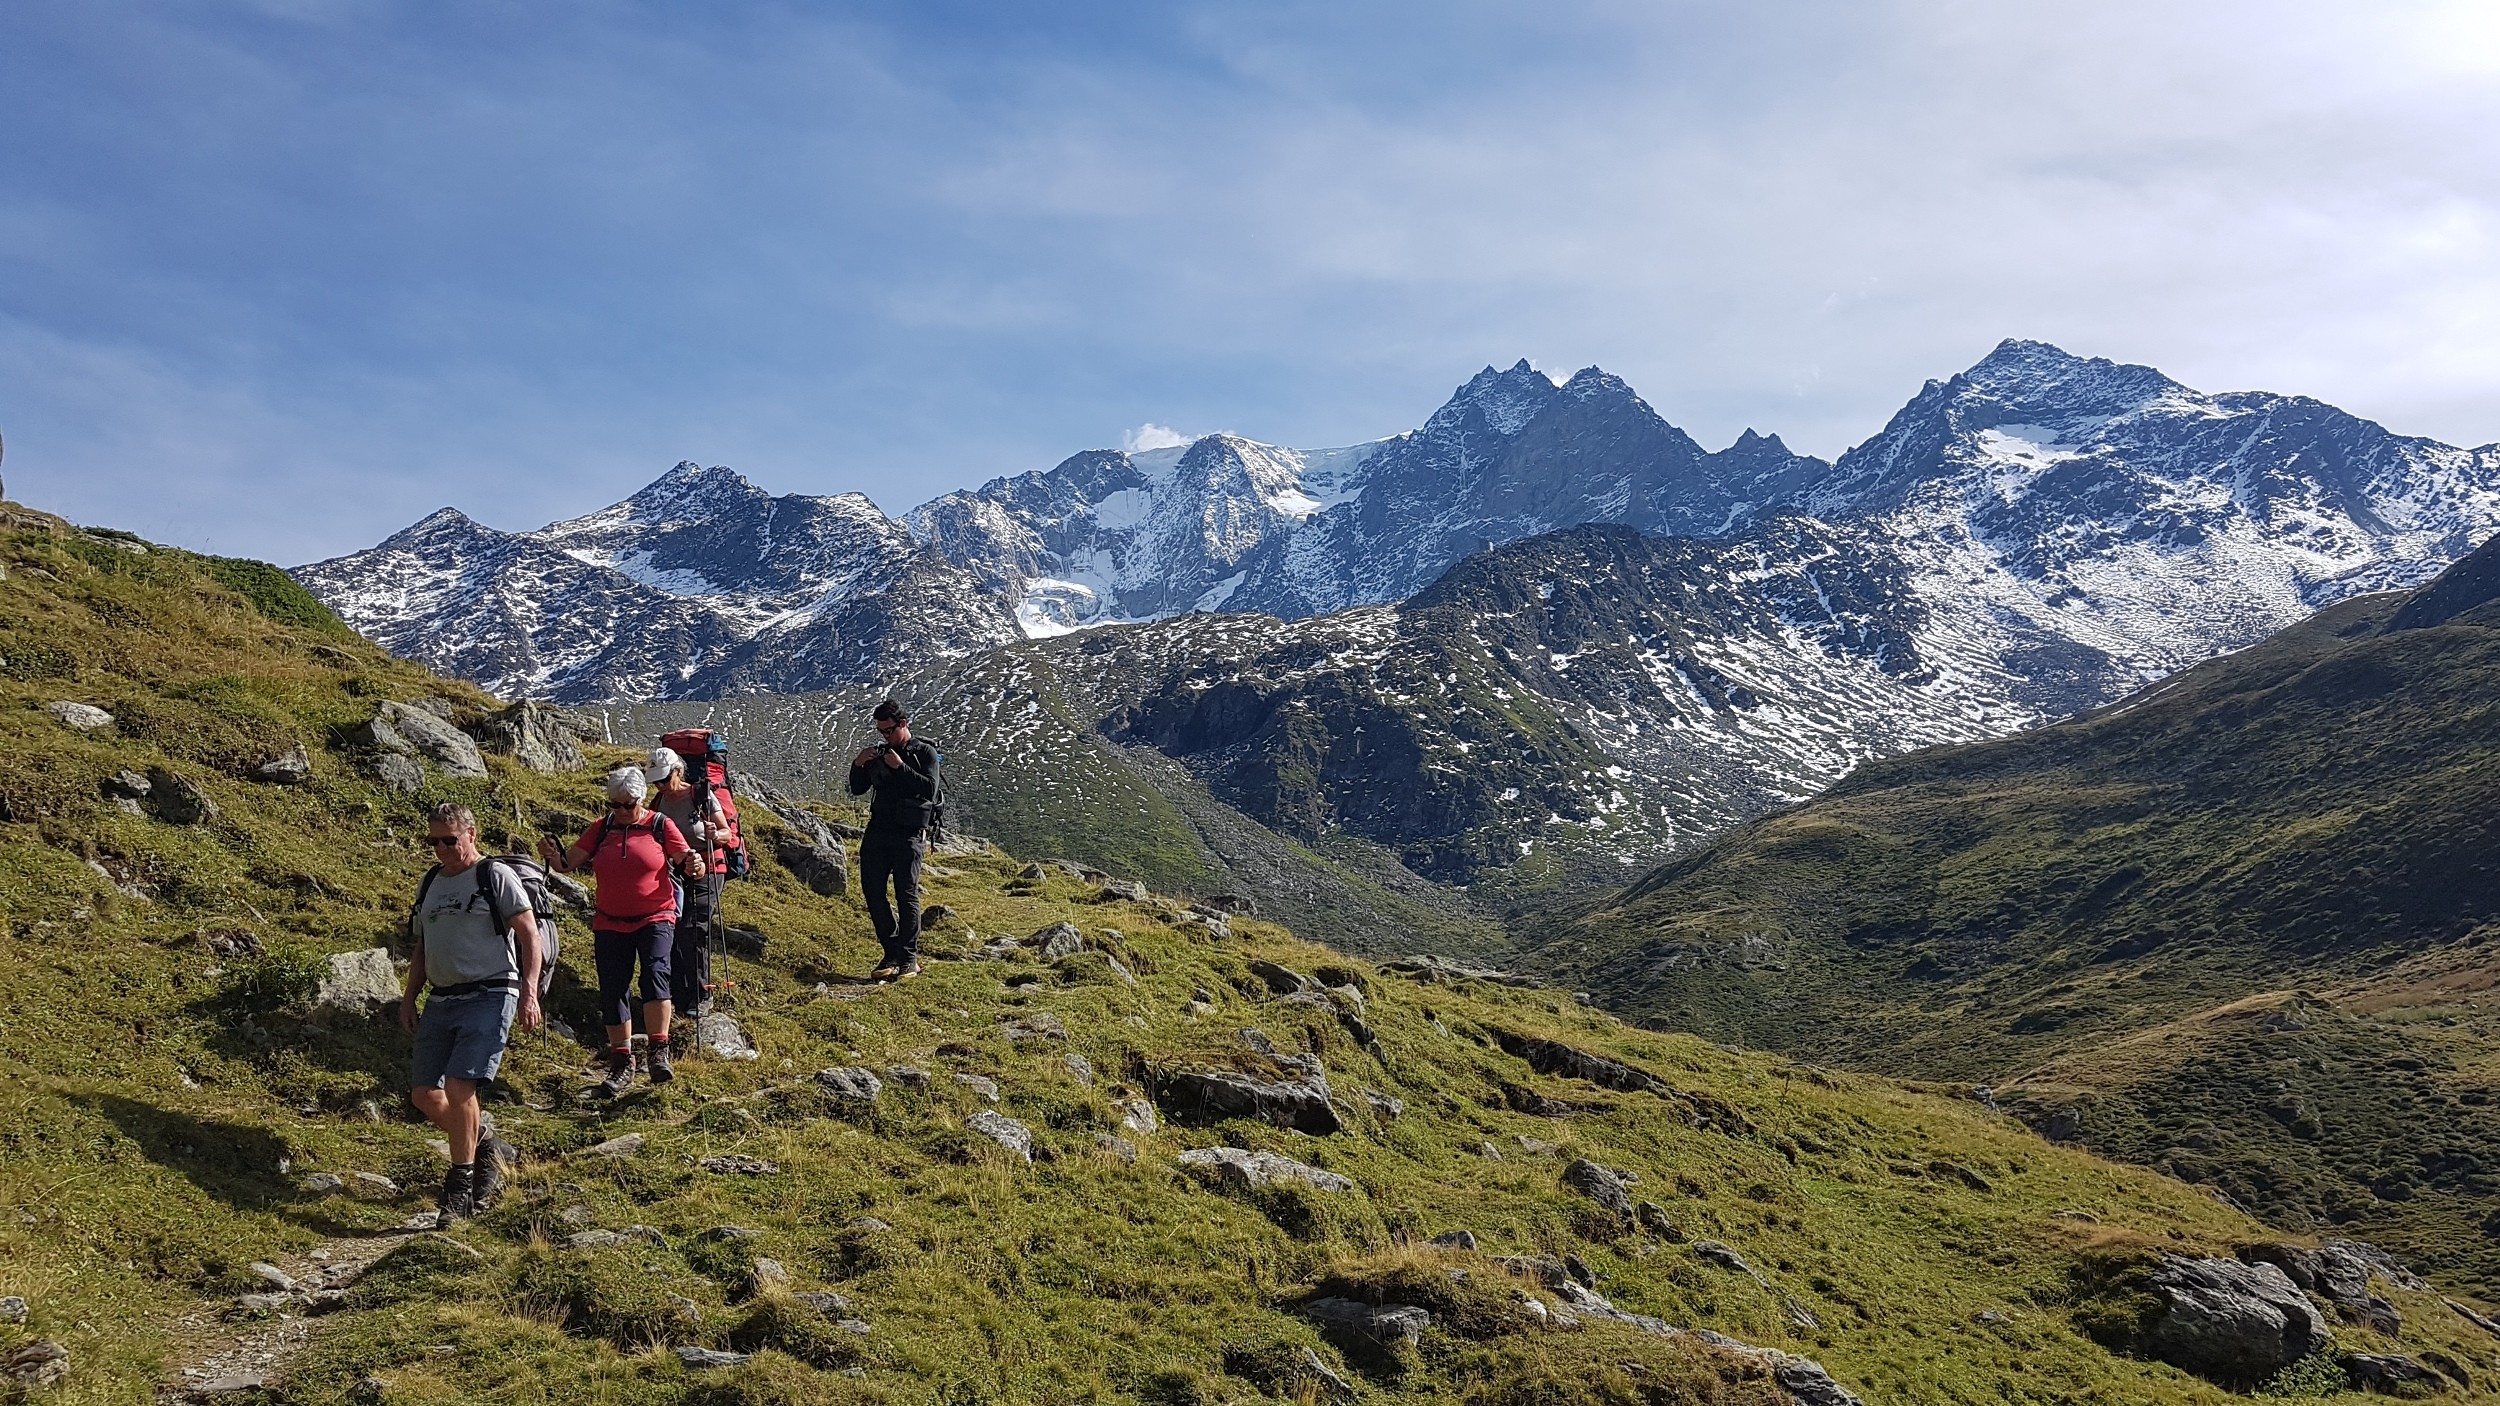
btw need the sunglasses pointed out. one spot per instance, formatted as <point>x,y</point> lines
<point>888,727</point>
<point>438,841</point>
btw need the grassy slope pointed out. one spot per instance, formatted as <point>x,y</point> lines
<point>156,1090</point>
<point>1027,767</point>
<point>2076,911</point>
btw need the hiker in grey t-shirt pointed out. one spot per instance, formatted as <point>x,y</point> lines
<point>474,940</point>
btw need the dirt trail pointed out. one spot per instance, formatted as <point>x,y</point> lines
<point>218,1354</point>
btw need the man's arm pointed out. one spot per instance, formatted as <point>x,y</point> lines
<point>416,983</point>
<point>860,774</point>
<point>525,949</point>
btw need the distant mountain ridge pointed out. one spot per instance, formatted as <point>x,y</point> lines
<point>1660,642</point>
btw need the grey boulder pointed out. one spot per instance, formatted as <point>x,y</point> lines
<point>436,740</point>
<point>1378,1326</point>
<point>2229,1322</point>
<point>1238,1169</point>
<point>819,864</point>
<point>851,1084</point>
<point>1604,1185</point>
<point>292,767</point>
<point>356,981</point>
<point>1299,1099</point>
<point>1003,1130</point>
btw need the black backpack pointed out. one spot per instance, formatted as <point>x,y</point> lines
<point>935,826</point>
<point>533,877</point>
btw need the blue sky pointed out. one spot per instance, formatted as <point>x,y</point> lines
<point>278,278</point>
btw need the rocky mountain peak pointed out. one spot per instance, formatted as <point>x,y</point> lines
<point>1502,401</point>
<point>691,491</point>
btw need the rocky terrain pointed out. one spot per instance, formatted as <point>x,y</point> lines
<point>1113,1145</point>
<point>2236,926</point>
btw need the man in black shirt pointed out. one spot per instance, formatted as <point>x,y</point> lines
<point>903,772</point>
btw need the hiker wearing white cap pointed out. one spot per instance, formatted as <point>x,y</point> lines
<point>698,814</point>
<point>630,851</point>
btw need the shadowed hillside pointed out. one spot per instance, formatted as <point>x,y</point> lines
<point>2238,926</point>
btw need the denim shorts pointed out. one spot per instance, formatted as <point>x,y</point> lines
<point>462,1037</point>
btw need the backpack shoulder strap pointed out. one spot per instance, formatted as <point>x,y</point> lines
<point>417,908</point>
<point>486,890</point>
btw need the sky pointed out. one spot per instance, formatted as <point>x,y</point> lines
<point>279,278</point>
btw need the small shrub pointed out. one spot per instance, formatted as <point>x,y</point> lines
<point>597,1295</point>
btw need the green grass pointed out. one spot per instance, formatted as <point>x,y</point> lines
<point>166,1096</point>
<point>2074,912</point>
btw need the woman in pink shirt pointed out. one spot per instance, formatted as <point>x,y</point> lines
<point>629,852</point>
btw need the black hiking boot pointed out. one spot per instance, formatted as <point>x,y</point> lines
<point>459,1199</point>
<point>663,1068</point>
<point>620,1073</point>
<point>494,1161</point>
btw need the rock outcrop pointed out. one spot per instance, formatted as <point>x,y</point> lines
<point>2230,1322</point>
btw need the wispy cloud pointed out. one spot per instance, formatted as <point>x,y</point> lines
<point>281,277</point>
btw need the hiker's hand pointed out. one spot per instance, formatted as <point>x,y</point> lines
<point>408,1014</point>
<point>892,757</point>
<point>865,755</point>
<point>547,851</point>
<point>531,1018</point>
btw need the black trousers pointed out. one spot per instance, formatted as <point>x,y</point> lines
<point>896,858</point>
<point>690,965</point>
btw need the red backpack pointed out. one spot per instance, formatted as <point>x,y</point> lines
<point>706,755</point>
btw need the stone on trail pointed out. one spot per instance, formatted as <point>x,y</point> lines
<point>13,1309</point>
<point>700,1359</point>
<point>1003,1130</point>
<point>354,982</point>
<point>79,717</point>
<point>376,1181</point>
<point>323,1184</point>
<point>985,1087</point>
<point>2229,1322</point>
<point>1240,1169</point>
<point>625,1146</point>
<point>1455,1240</point>
<point>718,1035</point>
<point>830,1305</point>
<point>272,1276</point>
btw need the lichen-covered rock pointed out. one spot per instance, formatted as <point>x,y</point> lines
<point>2335,1272</point>
<point>79,717</point>
<point>355,982</point>
<point>537,736</point>
<point>1057,941</point>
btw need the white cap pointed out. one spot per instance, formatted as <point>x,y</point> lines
<point>626,784</point>
<point>665,762</point>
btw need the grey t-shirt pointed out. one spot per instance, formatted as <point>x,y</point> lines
<point>462,942</point>
<point>683,808</point>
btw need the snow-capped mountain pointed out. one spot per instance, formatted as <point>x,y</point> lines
<point>1231,524</point>
<point>700,584</point>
